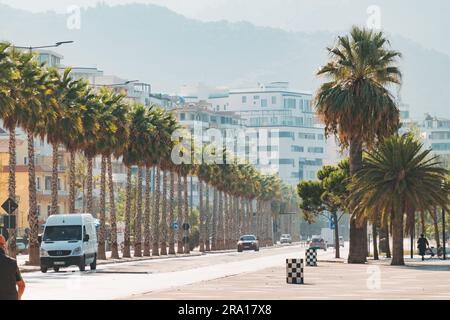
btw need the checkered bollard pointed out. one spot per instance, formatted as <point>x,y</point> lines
<point>294,271</point>
<point>311,257</point>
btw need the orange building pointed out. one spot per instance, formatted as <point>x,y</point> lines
<point>43,182</point>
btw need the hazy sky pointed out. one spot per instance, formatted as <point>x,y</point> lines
<point>426,22</point>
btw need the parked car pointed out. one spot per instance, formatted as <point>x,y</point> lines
<point>317,242</point>
<point>248,242</point>
<point>69,240</point>
<point>21,245</point>
<point>285,238</point>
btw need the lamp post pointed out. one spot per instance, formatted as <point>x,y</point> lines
<point>57,44</point>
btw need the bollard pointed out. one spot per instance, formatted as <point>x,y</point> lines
<point>311,257</point>
<point>294,271</point>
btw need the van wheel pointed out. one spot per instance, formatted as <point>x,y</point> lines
<point>93,265</point>
<point>56,269</point>
<point>44,269</point>
<point>82,265</point>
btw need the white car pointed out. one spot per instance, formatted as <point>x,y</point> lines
<point>285,238</point>
<point>69,240</point>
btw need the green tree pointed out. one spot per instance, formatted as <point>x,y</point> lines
<point>356,105</point>
<point>396,176</point>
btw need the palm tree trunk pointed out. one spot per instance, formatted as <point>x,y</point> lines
<point>436,227</point>
<point>422,221</point>
<point>32,213</point>
<point>171,212</point>
<point>90,178</point>
<point>112,212</point>
<point>54,182</point>
<point>226,224</point>
<point>202,218</point>
<point>207,220</point>
<point>180,215</point>
<point>155,214</point>
<point>220,213</point>
<point>138,217</point>
<point>147,213</point>
<point>374,239</point>
<point>214,222</point>
<point>102,229</point>
<point>164,215</point>
<point>250,209</point>
<point>12,187</point>
<point>72,182</point>
<point>127,242</point>
<point>187,249</point>
<point>358,236</point>
<point>397,250</point>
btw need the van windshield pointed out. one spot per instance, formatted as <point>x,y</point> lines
<point>62,233</point>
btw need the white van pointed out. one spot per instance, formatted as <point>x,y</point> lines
<point>69,240</point>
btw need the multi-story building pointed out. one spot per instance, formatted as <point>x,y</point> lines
<point>288,115</point>
<point>43,171</point>
<point>436,135</point>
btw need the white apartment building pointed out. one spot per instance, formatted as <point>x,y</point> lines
<point>285,113</point>
<point>436,135</point>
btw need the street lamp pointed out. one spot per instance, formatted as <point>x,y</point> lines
<point>115,84</point>
<point>57,44</point>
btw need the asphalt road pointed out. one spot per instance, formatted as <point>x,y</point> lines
<point>131,279</point>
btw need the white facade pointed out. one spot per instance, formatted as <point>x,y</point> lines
<point>287,115</point>
<point>436,135</point>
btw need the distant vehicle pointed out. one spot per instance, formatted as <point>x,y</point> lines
<point>317,242</point>
<point>327,235</point>
<point>248,242</point>
<point>285,238</point>
<point>69,240</point>
<point>21,245</point>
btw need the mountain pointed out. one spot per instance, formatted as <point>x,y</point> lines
<point>156,45</point>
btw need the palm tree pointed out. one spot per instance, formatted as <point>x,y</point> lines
<point>395,177</point>
<point>356,105</point>
<point>66,126</point>
<point>34,89</point>
<point>140,131</point>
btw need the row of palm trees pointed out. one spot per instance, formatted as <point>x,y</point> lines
<point>100,123</point>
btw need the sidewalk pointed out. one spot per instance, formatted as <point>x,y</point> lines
<point>336,281</point>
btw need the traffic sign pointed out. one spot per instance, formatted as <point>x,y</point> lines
<point>332,224</point>
<point>186,226</point>
<point>10,206</point>
<point>175,226</point>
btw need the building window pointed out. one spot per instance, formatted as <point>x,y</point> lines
<point>264,103</point>
<point>315,150</point>
<point>48,183</point>
<point>182,116</point>
<point>307,136</point>
<point>320,137</point>
<point>290,103</point>
<point>274,100</point>
<point>297,149</point>
<point>38,183</point>
<point>38,210</point>
<point>440,146</point>
<point>244,99</point>
<point>59,184</point>
<point>49,210</point>
<point>286,162</point>
<point>25,160</point>
<point>255,97</point>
